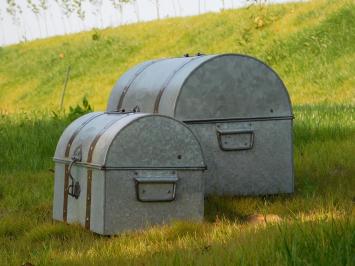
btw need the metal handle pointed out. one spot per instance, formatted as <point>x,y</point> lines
<point>74,188</point>
<point>235,140</point>
<point>156,189</point>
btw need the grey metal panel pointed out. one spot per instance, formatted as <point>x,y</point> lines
<point>105,141</point>
<point>151,81</point>
<point>69,131</point>
<point>98,202</point>
<point>125,81</point>
<point>89,132</point>
<point>155,141</point>
<point>232,86</point>
<point>77,207</point>
<point>169,97</point>
<point>58,197</point>
<point>266,168</point>
<point>209,87</point>
<point>126,213</point>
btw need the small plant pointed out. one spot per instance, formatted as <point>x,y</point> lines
<point>79,110</point>
<point>96,35</point>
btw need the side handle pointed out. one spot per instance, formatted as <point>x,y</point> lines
<point>156,189</point>
<point>235,140</point>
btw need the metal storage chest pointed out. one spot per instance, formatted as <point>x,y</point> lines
<point>237,106</point>
<point>125,171</point>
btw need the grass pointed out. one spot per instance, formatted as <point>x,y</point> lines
<point>304,43</point>
<point>310,45</point>
<point>317,224</point>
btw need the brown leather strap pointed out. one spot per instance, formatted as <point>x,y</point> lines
<point>88,199</point>
<point>89,171</point>
<point>65,200</point>
<point>125,89</point>
<point>166,83</point>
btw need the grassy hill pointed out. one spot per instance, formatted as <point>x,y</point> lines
<point>312,47</point>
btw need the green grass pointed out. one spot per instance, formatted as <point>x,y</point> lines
<point>312,47</point>
<point>317,221</point>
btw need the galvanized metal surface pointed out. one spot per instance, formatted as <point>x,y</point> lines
<point>231,89</point>
<point>265,168</point>
<point>110,145</point>
<point>205,87</point>
<point>131,214</point>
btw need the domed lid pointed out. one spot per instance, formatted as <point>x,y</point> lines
<point>129,141</point>
<point>203,88</point>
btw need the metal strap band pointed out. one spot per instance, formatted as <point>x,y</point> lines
<point>89,171</point>
<point>166,83</point>
<point>76,132</point>
<point>125,89</point>
<point>98,135</point>
<point>236,119</point>
<point>66,174</point>
<point>88,199</point>
<point>65,199</point>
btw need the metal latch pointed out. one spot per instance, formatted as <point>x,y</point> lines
<point>74,187</point>
<point>155,189</point>
<point>136,109</point>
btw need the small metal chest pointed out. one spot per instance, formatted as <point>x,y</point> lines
<point>124,171</point>
<point>236,105</point>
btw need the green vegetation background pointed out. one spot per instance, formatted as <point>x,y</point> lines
<point>312,47</point>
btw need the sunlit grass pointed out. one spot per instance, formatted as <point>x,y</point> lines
<point>302,41</point>
<point>312,47</point>
<point>319,215</point>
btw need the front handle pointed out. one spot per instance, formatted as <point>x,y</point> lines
<point>235,140</point>
<point>156,189</point>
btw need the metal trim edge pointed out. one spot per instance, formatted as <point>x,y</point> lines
<point>236,119</point>
<point>113,168</point>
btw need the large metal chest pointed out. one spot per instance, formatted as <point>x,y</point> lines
<point>237,106</point>
<point>116,172</point>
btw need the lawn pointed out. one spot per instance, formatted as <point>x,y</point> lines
<point>312,47</point>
